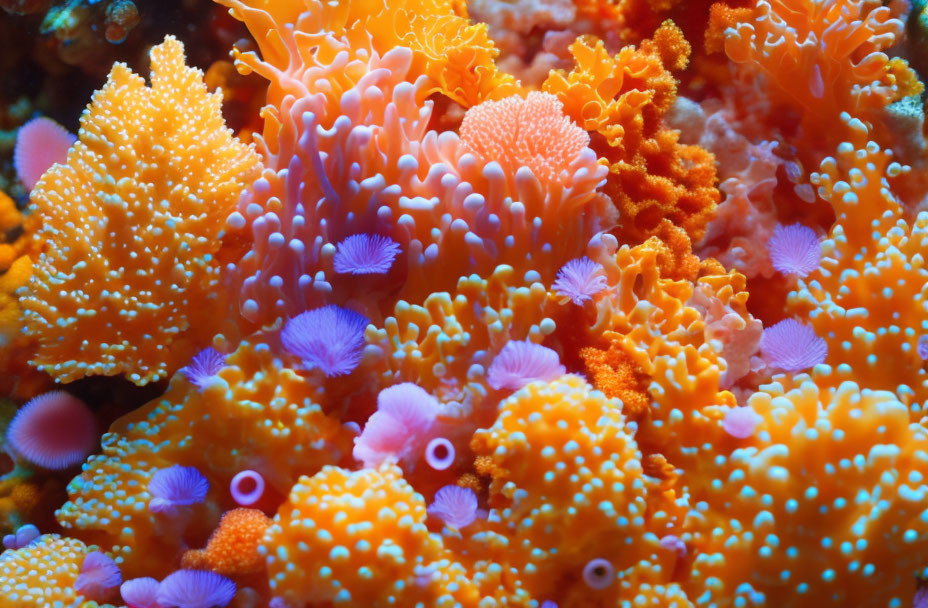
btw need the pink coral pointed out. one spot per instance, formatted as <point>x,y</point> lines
<point>40,143</point>
<point>54,431</point>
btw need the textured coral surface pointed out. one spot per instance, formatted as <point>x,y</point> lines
<point>468,304</point>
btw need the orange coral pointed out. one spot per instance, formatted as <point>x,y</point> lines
<point>129,281</point>
<point>43,573</point>
<point>272,414</point>
<point>532,132</point>
<point>361,539</point>
<point>819,58</point>
<point>654,180</point>
<point>824,502</point>
<point>869,298</point>
<point>232,549</point>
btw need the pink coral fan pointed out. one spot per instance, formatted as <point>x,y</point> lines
<point>791,346</point>
<point>40,143</point>
<point>365,254</point>
<point>329,338</point>
<point>794,249</point>
<point>530,132</point>
<point>54,431</point>
<point>99,576</point>
<point>454,505</point>
<point>580,280</point>
<point>404,415</point>
<point>205,365</point>
<point>521,362</point>
<point>195,589</point>
<point>140,593</point>
<point>176,486</point>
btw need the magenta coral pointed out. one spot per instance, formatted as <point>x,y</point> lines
<point>40,143</point>
<point>54,431</point>
<point>246,488</point>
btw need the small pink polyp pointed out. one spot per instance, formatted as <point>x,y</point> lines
<point>247,488</point>
<point>439,453</point>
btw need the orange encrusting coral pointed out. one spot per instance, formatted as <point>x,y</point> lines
<point>43,573</point>
<point>868,300</point>
<point>128,282</point>
<point>232,549</point>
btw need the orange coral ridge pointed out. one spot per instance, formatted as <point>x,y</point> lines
<point>43,573</point>
<point>129,279</point>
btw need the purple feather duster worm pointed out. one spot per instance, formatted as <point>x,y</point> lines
<point>195,589</point>
<point>365,254</point>
<point>519,363</point>
<point>791,346</point>
<point>580,280</point>
<point>794,249</point>
<point>330,338</point>
<point>455,505</point>
<point>176,486</point>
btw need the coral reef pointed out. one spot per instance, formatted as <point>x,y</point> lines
<point>510,304</point>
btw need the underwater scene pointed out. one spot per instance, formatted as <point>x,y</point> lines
<point>463,304</point>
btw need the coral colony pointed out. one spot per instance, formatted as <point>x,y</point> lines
<point>494,304</point>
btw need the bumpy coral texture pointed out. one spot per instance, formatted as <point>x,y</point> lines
<point>128,282</point>
<point>43,573</point>
<point>361,540</point>
<point>275,416</point>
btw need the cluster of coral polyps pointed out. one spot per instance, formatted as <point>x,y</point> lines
<point>641,321</point>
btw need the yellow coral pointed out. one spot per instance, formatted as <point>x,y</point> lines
<point>129,281</point>
<point>42,574</point>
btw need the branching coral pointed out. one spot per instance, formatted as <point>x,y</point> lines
<point>820,58</point>
<point>359,158</point>
<point>128,282</point>
<point>654,181</point>
<point>869,299</point>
